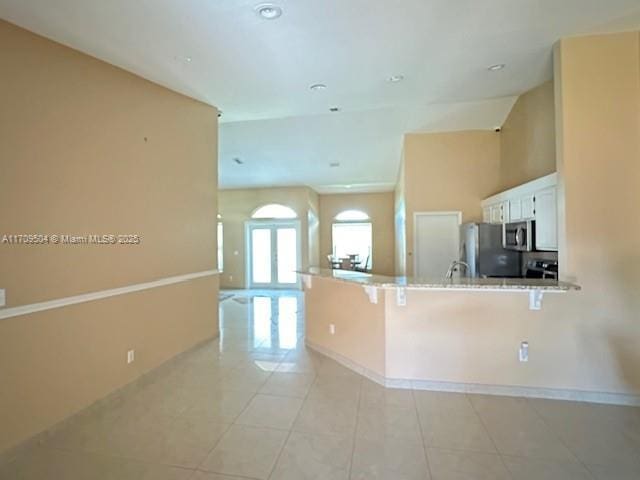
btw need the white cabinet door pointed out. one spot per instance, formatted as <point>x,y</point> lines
<point>546,215</point>
<point>515,210</point>
<point>486,214</point>
<point>528,207</point>
<point>496,213</point>
<point>499,212</point>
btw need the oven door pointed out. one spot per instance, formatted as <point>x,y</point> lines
<point>518,236</point>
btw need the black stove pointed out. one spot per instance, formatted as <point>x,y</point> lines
<point>538,268</point>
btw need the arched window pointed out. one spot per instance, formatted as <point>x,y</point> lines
<point>274,210</point>
<point>352,239</point>
<point>352,216</point>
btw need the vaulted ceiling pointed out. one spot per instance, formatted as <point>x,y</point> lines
<point>258,71</point>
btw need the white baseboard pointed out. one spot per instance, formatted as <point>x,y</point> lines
<point>504,390</point>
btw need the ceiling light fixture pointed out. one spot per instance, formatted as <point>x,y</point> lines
<point>317,87</point>
<point>496,67</point>
<point>188,59</point>
<point>395,78</point>
<point>268,11</point>
<point>334,109</point>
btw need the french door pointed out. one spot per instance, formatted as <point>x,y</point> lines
<point>273,254</point>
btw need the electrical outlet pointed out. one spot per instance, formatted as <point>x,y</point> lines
<point>3,298</point>
<point>332,329</point>
<point>523,354</point>
<point>131,356</point>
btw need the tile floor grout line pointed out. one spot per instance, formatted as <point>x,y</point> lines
<point>355,431</point>
<point>424,443</point>
<point>486,430</point>
<point>286,440</point>
<point>230,424</point>
<point>559,438</point>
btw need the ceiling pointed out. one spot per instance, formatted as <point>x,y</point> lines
<point>258,71</point>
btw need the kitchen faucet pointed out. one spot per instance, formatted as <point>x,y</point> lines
<point>453,267</point>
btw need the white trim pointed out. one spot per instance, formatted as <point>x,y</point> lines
<point>89,297</point>
<point>531,187</point>
<point>476,388</point>
<point>415,236</point>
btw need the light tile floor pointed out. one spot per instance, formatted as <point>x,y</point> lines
<point>255,404</point>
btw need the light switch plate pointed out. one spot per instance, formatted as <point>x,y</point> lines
<point>3,298</point>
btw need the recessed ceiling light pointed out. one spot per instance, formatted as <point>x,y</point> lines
<point>334,109</point>
<point>268,11</point>
<point>238,161</point>
<point>334,164</point>
<point>496,67</point>
<point>317,87</point>
<point>188,59</point>
<point>347,186</point>
<point>396,78</point>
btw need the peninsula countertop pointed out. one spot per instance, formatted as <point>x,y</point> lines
<point>460,283</point>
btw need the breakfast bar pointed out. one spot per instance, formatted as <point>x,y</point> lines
<point>460,334</point>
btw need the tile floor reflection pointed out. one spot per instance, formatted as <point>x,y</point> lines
<point>255,404</point>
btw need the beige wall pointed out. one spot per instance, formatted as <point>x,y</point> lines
<point>448,172</point>
<point>87,148</point>
<point>527,139</point>
<point>379,207</point>
<point>359,324</point>
<point>236,207</point>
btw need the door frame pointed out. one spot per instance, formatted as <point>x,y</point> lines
<point>271,223</point>
<point>458,213</point>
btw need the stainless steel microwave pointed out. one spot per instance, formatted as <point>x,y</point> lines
<point>518,236</point>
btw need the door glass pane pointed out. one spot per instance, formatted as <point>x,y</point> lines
<point>286,255</point>
<point>261,255</point>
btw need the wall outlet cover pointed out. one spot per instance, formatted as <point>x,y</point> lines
<point>523,353</point>
<point>131,356</point>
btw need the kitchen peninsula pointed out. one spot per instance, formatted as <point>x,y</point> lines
<point>461,334</point>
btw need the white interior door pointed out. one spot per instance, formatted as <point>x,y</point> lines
<point>436,242</point>
<point>273,254</point>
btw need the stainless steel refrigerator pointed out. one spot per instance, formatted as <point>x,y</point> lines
<point>481,248</point>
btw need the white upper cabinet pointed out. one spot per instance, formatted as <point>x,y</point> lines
<point>486,215</point>
<point>546,215</point>
<point>521,208</point>
<point>528,207</point>
<point>498,213</point>
<point>515,210</point>
<point>535,200</point>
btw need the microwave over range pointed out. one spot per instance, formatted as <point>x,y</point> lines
<point>519,236</point>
